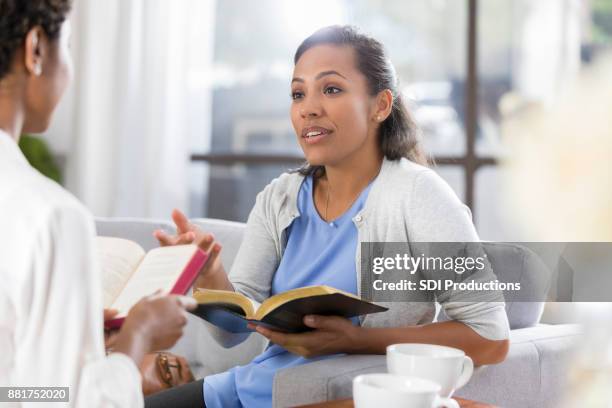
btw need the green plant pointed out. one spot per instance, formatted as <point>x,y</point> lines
<point>602,21</point>
<point>39,156</point>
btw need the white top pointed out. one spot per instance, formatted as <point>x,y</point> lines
<point>51,293</point>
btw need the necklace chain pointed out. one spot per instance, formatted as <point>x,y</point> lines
<point>327,201</point>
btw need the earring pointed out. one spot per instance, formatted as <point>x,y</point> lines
<point>378,118</point>
<point>37,69</point>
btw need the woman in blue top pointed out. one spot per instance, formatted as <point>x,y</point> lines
<point>365,180</point>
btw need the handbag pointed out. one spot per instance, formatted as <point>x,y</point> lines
<point>161,371</point>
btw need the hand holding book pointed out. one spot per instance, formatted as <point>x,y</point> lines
<point>331,335</point>
<point>129,273</point>
<point>155,323</point>
<point>161,317</point>
<point>142,312</point>
<point>163,312</point>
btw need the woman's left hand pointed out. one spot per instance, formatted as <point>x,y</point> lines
<point>109,335</point>
<point>332,334</point>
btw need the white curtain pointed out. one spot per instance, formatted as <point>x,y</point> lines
<point>140,103</point>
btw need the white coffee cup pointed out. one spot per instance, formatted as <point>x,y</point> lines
<point>447,366</point>
<point>396,391</point>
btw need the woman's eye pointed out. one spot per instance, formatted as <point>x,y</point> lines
<point>296,95</point>
<point>330,90</point>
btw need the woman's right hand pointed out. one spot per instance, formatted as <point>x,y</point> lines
<point>155,323</point>
<point>212,275</point>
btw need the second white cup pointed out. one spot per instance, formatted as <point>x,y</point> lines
<point>395,391</point>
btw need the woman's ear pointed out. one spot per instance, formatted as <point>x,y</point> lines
<point>34,51</point>
<point>384,105</point>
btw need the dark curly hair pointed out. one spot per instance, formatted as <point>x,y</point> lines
<point>18,17</point>
<point>398,134</point>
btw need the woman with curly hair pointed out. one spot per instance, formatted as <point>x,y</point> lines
<point>51,295</point>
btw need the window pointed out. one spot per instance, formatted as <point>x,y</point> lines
<point>527,52</point>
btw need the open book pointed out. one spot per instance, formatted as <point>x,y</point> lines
<point>129,273</point>
<point>284,312</point>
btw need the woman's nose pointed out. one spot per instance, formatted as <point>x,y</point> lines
<point>309,114</point>
<point>311,108</point>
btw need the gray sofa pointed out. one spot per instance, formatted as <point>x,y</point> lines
<point>531,376</point>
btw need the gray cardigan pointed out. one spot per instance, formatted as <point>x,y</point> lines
<point>407,203</point>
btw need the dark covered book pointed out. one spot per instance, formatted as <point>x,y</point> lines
<point>284,312</point>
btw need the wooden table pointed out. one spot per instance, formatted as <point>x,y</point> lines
<point>348,403</point>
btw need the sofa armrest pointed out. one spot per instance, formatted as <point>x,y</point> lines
<point>531,376</point>
<point>534,371</point>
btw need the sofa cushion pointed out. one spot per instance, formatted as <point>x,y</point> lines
<point>516,263</point>
<point>134,229</point>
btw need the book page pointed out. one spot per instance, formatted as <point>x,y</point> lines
<point>298,293</point>
<point>227,298</point>
<point>118,259</point>
<point>160,269</point>
<point>255,304</point>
